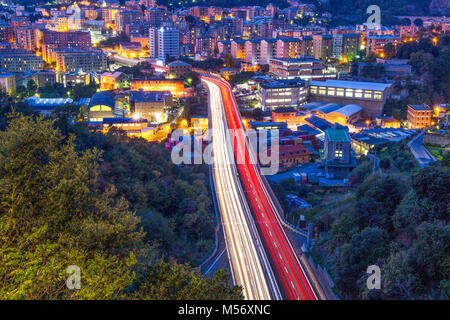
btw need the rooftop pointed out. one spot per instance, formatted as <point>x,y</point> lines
<point>352,84</point>
<point>149,96</point>
<point>178,63</point>
<point>337,135</point>
<point>420,107</point>
<point>283,83</point>
<point>284,110</point>
<point>348,110</point>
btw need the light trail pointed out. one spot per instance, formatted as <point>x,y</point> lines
<point>249,264</point>
<point>290,273</point>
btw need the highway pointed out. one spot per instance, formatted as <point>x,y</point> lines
<point>292,280</point>
<point>249,264</point>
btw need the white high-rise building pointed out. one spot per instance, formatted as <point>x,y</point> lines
<point>164,42</point>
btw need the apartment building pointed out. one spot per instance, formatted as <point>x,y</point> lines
<point>19,60</point>
<point>164,42</point>
<point>289,48</point>
<point>419,116</point>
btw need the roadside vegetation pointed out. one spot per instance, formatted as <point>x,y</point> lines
<point>117,207</point>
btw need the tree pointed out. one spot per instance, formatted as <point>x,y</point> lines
<point>32,87</point>
<point>389,50</point>
<point>418,22</point>
<point>377,199</point>
<point>431,187</point>
<point>229,61</point>
<point>52,215</point>
<point>365,248</point>
<point>385,163</point>
<point>170,281</point>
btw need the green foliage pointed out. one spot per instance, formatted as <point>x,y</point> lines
<point>114,41</point>
<point>365,248</point>
<point>170,281</point>
<point>58,208</point>
<point>52,216</point>
<point>376,200</point>
<point>398,222</point>
<point>372,71</point>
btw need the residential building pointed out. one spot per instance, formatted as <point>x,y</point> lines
<point>322,46</point>
<point>238,49</point>
<point>268,50</point>
<point>253,51</point>
<point>177,69</point>
<point>376,43</point>
<point>289,48</point>
<point>8,83</point>
<point>19,60</point>
<point>345,46</point>
<point>72,59</point>
<point>419,116</point>
<point>224,47</point>
<point>6,33</point>
<point>114,80</point>
<point>164,42</point>
<point>292,155</point>
<point>150,105</point>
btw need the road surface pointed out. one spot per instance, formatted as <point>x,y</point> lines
<point>422,155</point>
<point>290,273</point>
<point>249,264</point>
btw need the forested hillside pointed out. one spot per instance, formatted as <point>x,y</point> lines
<point>397,221</point>
<point>114,206</point>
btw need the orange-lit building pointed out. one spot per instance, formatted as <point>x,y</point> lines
<point>133,127</point>
<point>376,43</point>
<point>199,122</point>
<point>419,116</point>
<point>178,68</point>
<point>238,49</point>
<point>388,122</point>
<point>131,49</point>
<point>142,40</point>
<point>227,73</point>
<point>175,86</point>
<point>114,80</point>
